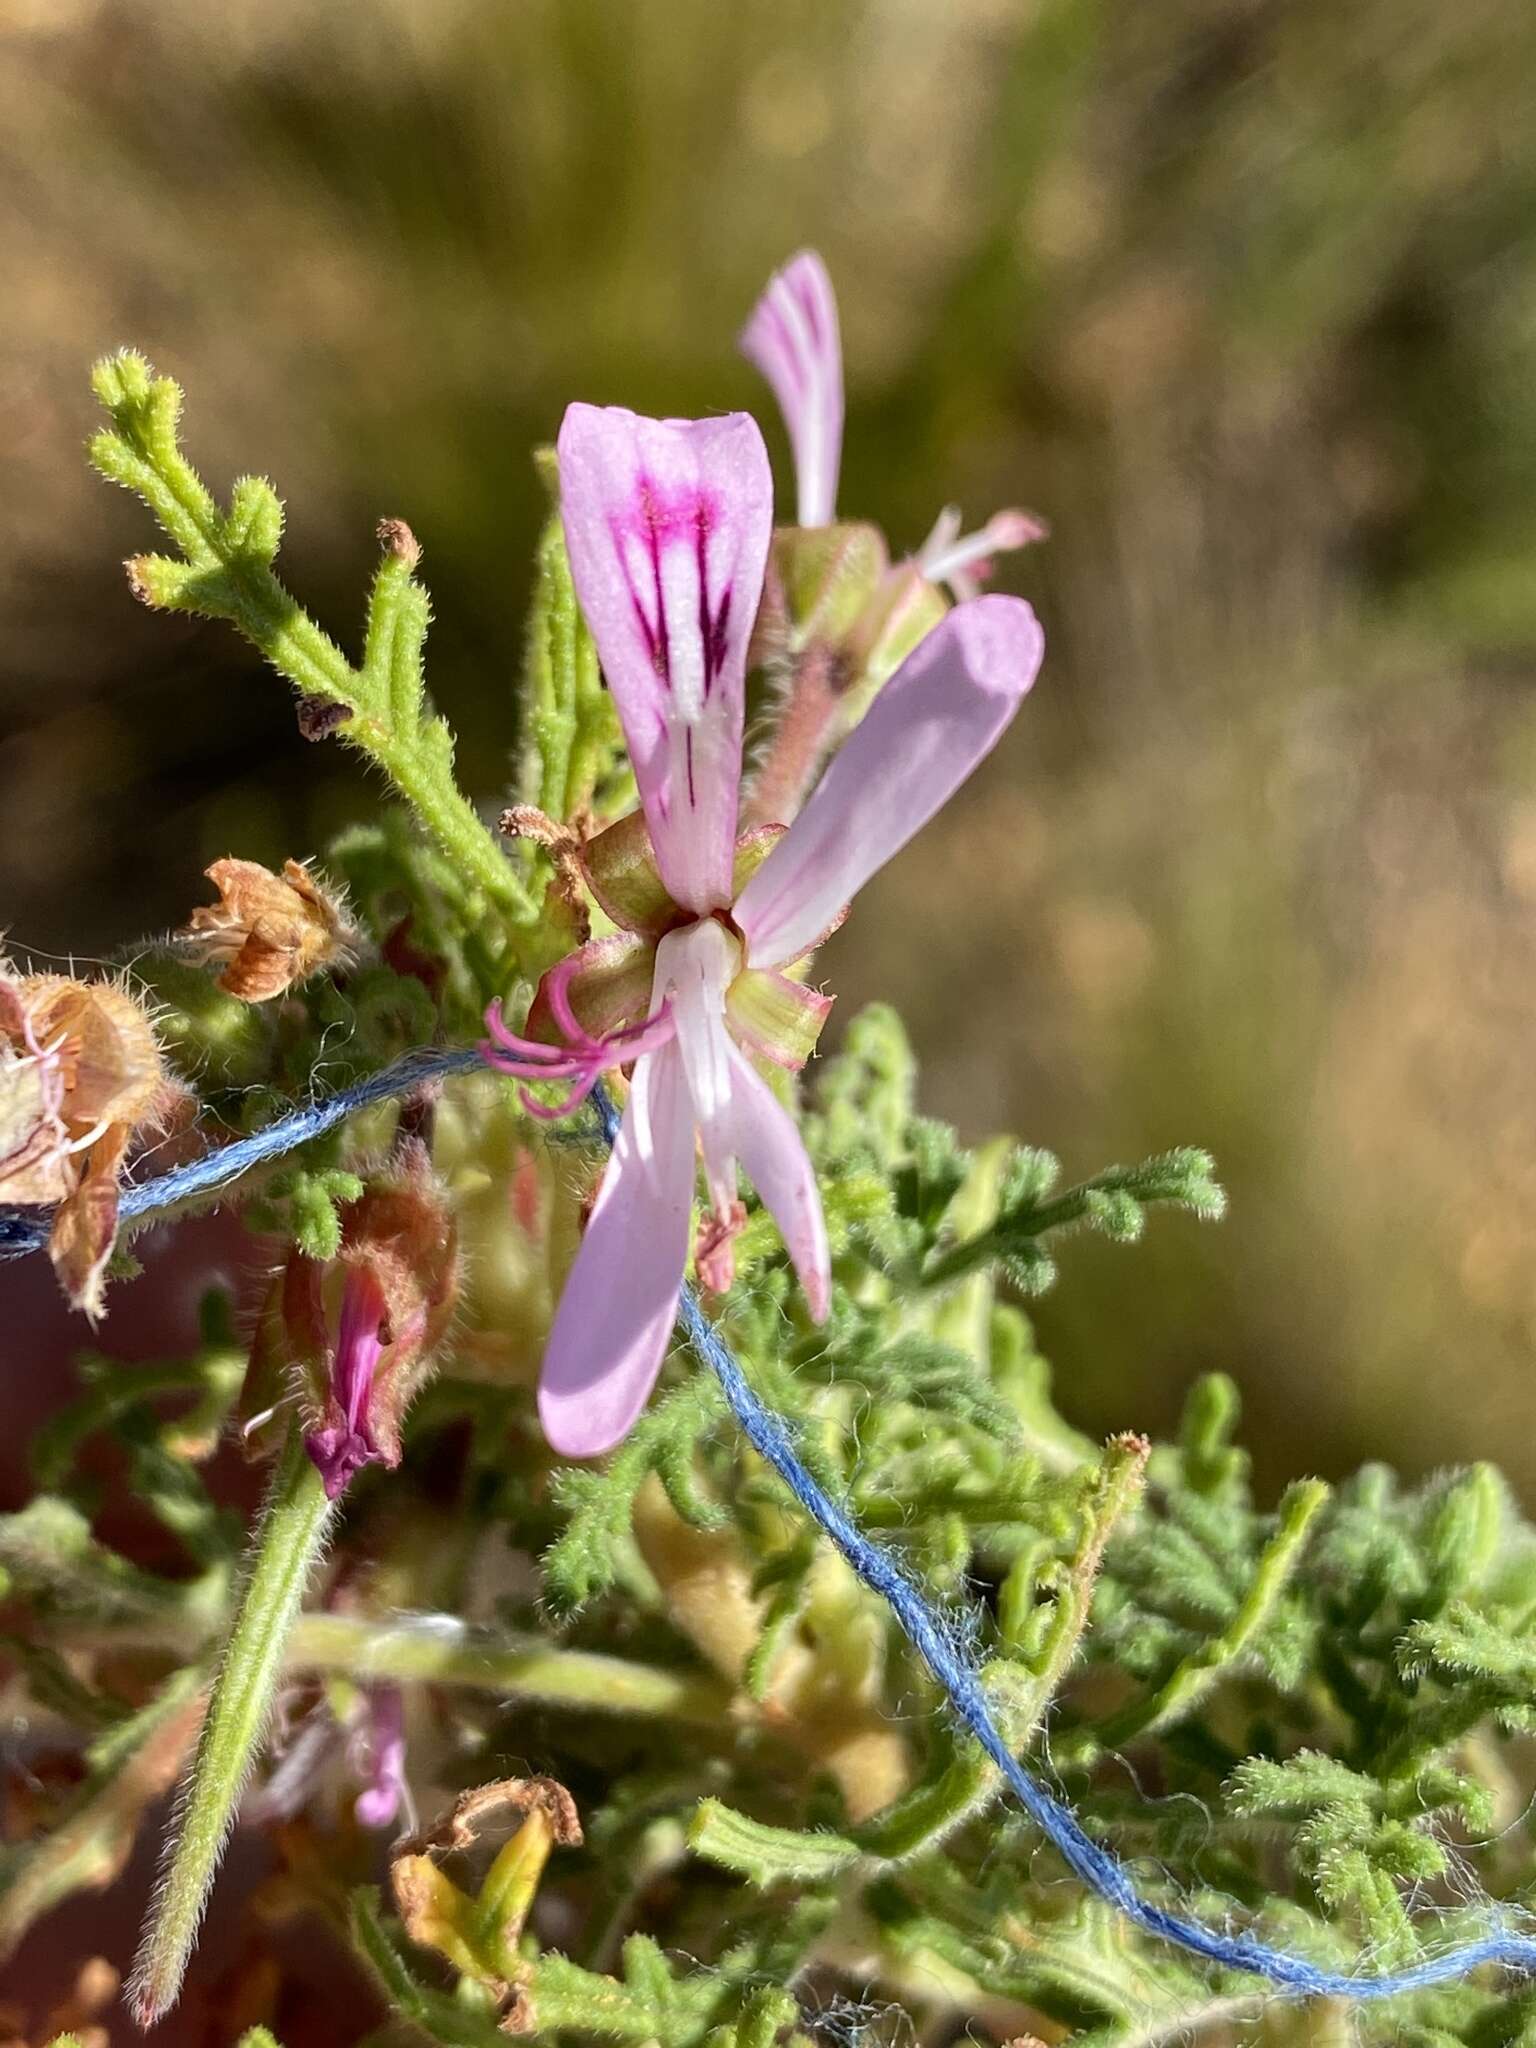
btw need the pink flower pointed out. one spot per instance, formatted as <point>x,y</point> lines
<point>668,524</point>
<point>377,1754</point>
<point>793,338</point>
<point>343,1445</point>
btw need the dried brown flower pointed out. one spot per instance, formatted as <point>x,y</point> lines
<point>268,932</point>
<point>80,1076</point>
<point>439,1915</point>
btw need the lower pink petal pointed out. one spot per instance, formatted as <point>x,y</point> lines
<point>620,1300</point>
<point>755,1126</point>
<point>940,714</point>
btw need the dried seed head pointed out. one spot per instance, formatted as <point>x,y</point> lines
<point>269,932</point>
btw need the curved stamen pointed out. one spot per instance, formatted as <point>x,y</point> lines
<point>526,1048</point>
<point>581,1062</point>
<point>948,553</point>
<point>557,985</point>
<point>88,1138</point>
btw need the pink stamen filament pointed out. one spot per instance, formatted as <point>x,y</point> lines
<point>940,558</point>
<point>582,1062</point>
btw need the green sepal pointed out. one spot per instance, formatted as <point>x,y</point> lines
<point>825,578</point>
<point>779,1018</point>
<point>619,867</point>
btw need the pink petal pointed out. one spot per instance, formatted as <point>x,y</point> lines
<point>754,1128</point>
<point>620,1300</point>
<point>940,714</point>
<point>792,337</point>
<point>667,523</point>
<point>381,1754</point>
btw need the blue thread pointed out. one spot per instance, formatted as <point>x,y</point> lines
<point>26,1230</point>
<point>1098,1868</point>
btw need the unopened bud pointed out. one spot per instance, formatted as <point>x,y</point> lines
<point>397,539</point>
<point>389,1295</point>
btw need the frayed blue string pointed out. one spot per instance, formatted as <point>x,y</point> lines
<point>26,1230</point>
<point>1097,1867</point>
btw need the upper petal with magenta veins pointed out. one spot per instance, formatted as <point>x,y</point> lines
<point>667,524</point>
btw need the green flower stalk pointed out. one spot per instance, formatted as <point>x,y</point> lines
<point>289,1540</point>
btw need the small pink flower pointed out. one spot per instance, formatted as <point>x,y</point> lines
<point>378,1755</point>
<point>667,524</point>
<point>343,1446</point>
<point>792,337</point>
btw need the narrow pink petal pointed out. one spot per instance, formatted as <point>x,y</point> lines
<point>667,523</point>
<point>792,337</point>
<point>940,714</point>
<point>358,1345</point>
<point>755,1128</point>
<point>620,1300</point>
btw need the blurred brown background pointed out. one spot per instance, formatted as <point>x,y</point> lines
<point>1240,295</point>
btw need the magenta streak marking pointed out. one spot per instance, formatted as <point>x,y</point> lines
<point>812,311</point>
<point>712,627</point>
<point>792,362</point>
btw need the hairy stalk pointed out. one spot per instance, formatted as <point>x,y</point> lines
<point>1193,1677</point>
<point>441,1650</point>
<point>287,1545</point>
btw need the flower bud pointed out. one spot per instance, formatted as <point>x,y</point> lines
<point>836,622</point>
<point>389,1296</point>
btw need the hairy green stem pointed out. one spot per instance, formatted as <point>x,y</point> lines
<point>440,1650</point>
<point>1111,1202</point>
<point>287,1545</point>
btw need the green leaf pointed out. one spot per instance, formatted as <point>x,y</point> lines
<point>89,1841</point>
<point>586,1558</point>
<point>767,1855</point>
<point>226,573</point>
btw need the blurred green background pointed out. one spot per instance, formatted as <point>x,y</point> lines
<point>1240,295</point>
